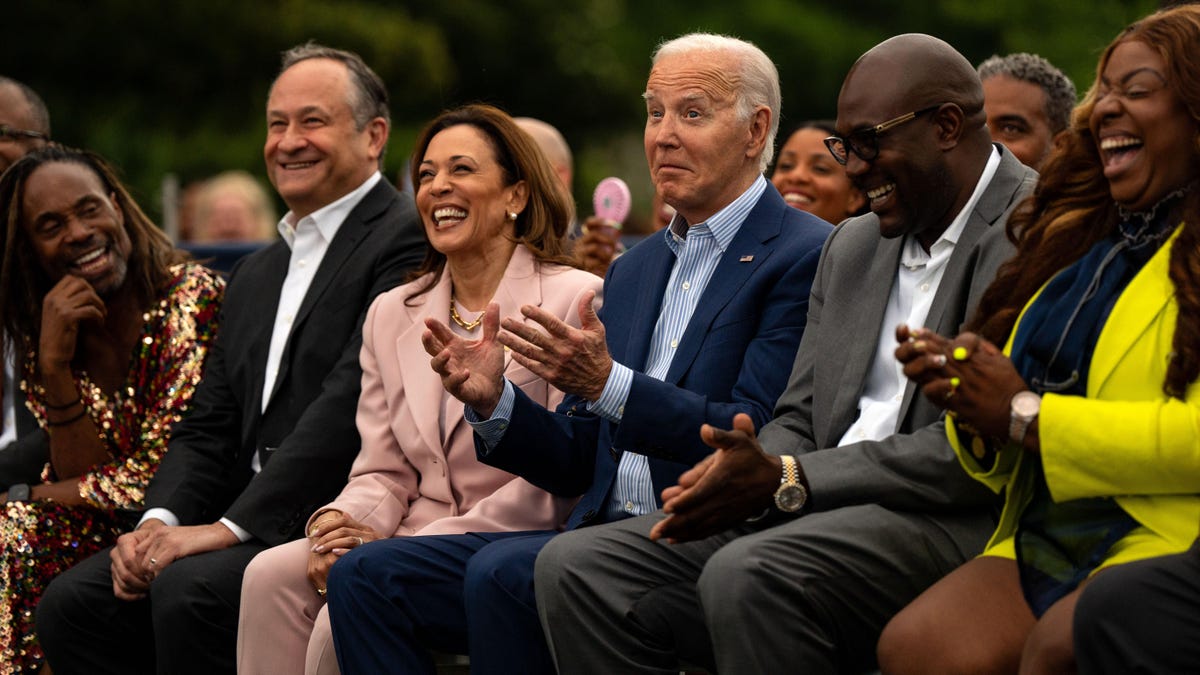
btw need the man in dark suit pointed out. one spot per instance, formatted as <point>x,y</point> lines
<point>855,500</point>
<point>271,433</point>
<point>694,326</point>
<point>24,448</point>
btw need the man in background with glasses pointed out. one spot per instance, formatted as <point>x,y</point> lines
<point>24,127</point>
<point>790,550</point>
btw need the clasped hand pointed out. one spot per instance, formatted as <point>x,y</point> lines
<point>333,535</point>
<point>575,360</point>
<point>737,481</point>
<point>139,556</point>
<point>967,376</point>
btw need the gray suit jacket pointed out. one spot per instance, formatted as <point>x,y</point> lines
<point>915,469</point>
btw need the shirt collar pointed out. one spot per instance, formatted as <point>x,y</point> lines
<point>329,218</point>
<point>723,224</point>
<point>915,256</point>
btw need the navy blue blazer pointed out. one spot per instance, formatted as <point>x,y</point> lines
<point>735,356</point>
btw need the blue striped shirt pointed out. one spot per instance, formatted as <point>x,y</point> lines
<point>697,251</point>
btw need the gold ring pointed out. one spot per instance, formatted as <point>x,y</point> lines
<point>321,592</point>
<point>360,540</point>
<point>153,562</point>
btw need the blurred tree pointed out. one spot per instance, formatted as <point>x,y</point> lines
<point>180,87</point>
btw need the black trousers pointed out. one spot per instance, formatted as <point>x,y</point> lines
<point>187,623</point>
<point>1143,617</point>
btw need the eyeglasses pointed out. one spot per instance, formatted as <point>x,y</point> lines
<point>865,142</point>
<point>8,133</point>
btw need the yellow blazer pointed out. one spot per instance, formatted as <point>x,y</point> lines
<point>1125,440</point>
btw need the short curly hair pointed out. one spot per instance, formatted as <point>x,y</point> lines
<point>1031,68</point>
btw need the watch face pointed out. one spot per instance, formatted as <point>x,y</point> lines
<point>790,498</point>
<point>1026,404</point>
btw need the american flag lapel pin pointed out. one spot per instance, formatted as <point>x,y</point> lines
<point>746,258</point>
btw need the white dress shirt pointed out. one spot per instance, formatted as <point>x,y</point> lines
<point>916,284</point>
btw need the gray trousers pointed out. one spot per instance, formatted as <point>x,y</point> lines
<point>809,595</point>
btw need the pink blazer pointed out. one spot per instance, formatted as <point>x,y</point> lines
<point>416,474</point>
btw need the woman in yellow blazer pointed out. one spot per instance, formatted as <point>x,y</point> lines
<point>1088,423</point>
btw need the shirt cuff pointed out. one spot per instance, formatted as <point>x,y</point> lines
<point>491,430</point>
<point>160,513</point>
<point>611,404</point>
<point>242,535</point>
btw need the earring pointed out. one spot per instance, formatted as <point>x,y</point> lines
<point>512,215</point>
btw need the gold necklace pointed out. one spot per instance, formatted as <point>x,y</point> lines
<point>465,325</point>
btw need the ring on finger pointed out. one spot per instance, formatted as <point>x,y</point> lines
<point>321,592</point>
<point>153,562</point>
<point>359,540</point>
<point>939,360</point>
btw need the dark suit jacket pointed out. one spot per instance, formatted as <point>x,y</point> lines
<point>732,358</point>
<point>915,469</point>
<point>22,460</point>
<point>310,418</point>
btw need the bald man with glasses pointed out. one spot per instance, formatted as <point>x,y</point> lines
<point>788,550</point>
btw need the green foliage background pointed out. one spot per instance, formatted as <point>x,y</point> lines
<point>180,87</point>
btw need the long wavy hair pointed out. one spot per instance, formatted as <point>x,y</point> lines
<point>1071,209</point>
<point>23,283</point>
<point>542,225</point>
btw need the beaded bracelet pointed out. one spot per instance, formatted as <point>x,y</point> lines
<point>63,423</point>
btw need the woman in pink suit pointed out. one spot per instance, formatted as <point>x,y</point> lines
<point>495,217</point>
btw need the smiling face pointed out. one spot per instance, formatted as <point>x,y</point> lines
<point>701,156</point>
<point>909,185</point>
<point>315,153</point>
<point>1145,135</point>
<point>75,227</point>
<point>811,180</point>
<point>462,196</point>
<point>1016,117</point>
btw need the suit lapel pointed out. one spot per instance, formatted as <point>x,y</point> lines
<point>1138,306</point>
<point>269,280</point>
<point>748,250</point>
<point>352,231</point>
<point>423,393</point>
<point>858,341</point>
<point>653,283</point>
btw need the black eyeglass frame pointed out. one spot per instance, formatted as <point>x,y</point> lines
<point>9,132</point>
<point>865,142</point>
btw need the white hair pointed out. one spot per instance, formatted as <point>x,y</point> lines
<point>759,77</point>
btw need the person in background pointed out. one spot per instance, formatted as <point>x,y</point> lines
<point>495,217</point>
<point>1086,422</point>
<point>24,126</point>
<point>233,207</point>
<point>1028,103</point>
<point>695,322</point>
<point>114,329</point>
<point>811,180</point>
<point>271,436</point>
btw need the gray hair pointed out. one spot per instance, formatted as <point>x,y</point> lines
<point>1031,68</point>
<point>759,78</point>
<point>38,114</point>
<point>370,94</point>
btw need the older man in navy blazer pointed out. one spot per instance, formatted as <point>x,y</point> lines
<point>698,324</point>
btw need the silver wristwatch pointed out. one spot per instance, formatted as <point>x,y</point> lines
<point>1024,409</point>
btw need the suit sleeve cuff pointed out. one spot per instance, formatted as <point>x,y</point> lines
<point>242,535</point>
<point>611,404</point>
<point>491,430</point>
<point>162,514</point>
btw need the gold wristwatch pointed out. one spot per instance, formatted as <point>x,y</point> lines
<point>791,495</point>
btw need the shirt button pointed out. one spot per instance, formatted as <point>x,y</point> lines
<point>862,434</point>
<point>621,410</point>
<point>674,344</point>
<point>301,263</point>
<point>687,285</point>
<point>898,397</point>
<point>628,507</point>
<point>503,427</point>
<point>287,318</point>
<point>924,288</point>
